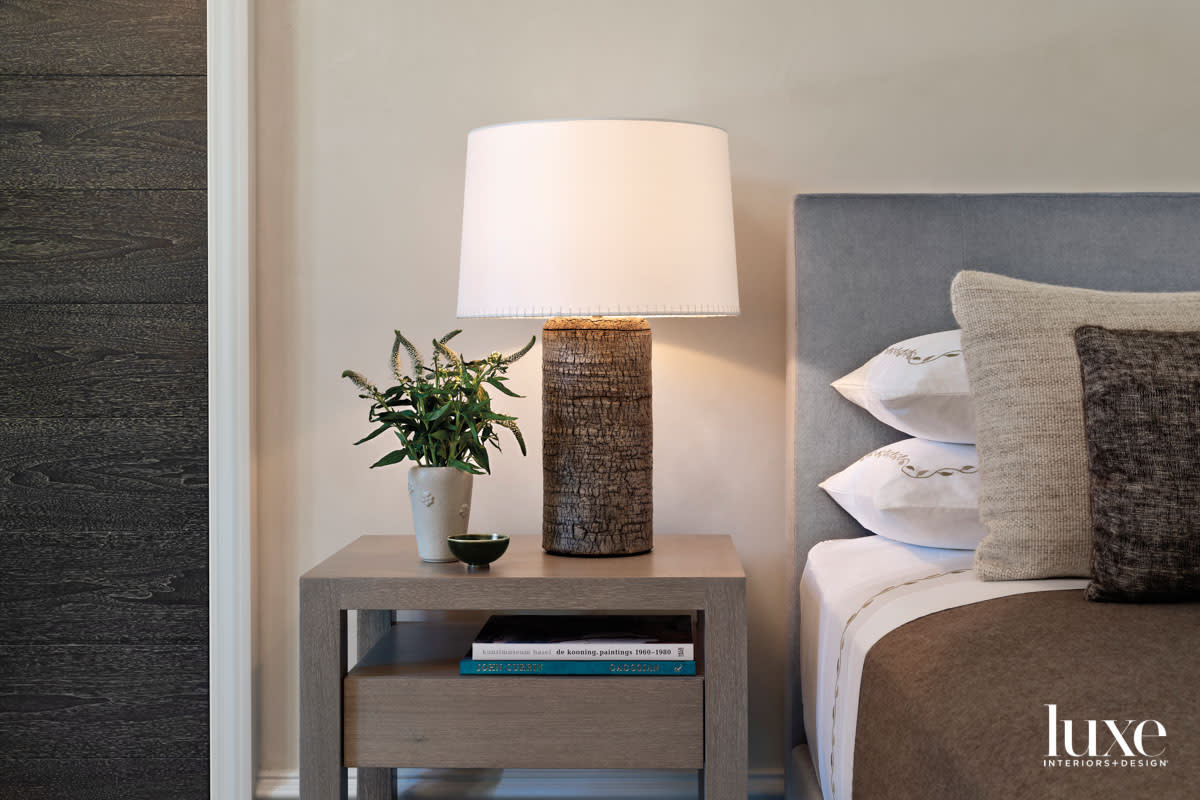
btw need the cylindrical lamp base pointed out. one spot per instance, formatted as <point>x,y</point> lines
<point>598,437</point>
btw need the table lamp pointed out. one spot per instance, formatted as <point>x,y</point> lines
<point>595,225</point>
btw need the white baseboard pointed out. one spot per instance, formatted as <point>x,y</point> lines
<point>526,784</point>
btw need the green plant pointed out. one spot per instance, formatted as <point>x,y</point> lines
<point>442,414</point>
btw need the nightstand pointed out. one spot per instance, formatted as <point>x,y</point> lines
<point>405,705</point>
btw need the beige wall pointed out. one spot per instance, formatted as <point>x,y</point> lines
<point>363,112</point>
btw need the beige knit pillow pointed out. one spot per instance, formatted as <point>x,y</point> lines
<point>1019,347</point>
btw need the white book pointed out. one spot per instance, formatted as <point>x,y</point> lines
<point>584,638</point>
<point>582,651</point>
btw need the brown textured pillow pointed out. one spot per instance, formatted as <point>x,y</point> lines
<point>1141,407</point>
<point>1019,347</point>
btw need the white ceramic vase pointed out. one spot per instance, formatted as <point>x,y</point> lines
<point>441,507</point>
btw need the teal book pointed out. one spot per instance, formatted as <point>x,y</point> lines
<point>470,666</point>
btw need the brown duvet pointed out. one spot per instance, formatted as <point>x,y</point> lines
<point>956,705</point>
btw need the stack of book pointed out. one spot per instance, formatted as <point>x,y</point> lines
<point>527,644</point>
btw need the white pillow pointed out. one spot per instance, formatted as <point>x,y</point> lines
<point>915,491</point>
<point>918,386</point>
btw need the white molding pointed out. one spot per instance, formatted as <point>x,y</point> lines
<point>230,398</point>
<point>534,783</point>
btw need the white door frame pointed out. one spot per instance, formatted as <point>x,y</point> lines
<point>230,398</point>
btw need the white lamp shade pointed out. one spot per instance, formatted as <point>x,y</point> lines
<point>597,218</point>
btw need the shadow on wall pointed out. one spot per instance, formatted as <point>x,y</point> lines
<point>762,214</point>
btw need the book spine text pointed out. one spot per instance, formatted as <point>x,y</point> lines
<point>472,667</point>
<point>484,651</point>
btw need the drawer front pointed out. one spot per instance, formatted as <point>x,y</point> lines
<point>535,723</point>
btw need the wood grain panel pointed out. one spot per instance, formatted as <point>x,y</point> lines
<point>726,732</point>
<point>142,587</point>
<point>83,474</point>
<point>116,36</point>
<point>103,417</point>
<point>374,784</point>
<point>103,701</point>
<point>103,247</point>
<point>544,723</point>
<point>102,133</point>
<point>104,360</point>
<point>104,779</point>
<point>322,668</point>
<point>694,558</point>
<point>406,705</point>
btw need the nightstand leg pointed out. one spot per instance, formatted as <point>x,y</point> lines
<point>377,783</point>
<point>725,694</point>
<point>322,667</point>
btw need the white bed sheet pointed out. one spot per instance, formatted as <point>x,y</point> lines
<point>852,593</point>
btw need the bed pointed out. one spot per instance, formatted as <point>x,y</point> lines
<point>908,676</point>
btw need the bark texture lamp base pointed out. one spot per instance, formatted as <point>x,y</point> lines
<point>598,437</point>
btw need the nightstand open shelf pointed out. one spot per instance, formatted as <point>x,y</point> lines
<point>404,704</point>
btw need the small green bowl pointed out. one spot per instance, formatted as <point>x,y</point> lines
<point>477,550</point>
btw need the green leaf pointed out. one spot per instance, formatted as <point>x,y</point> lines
<point>480,454</point>
<point>441,412</point>
<point>473,434</point>
<point>499,385</point>
<point>394,457</point>
<point>398,395</point>
<point>373,434</point>
<point>465,467</point>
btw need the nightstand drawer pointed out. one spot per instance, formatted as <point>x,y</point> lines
<point>404,704</point>
<point>547,722</point>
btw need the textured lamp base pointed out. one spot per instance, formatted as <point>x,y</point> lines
<point>598,437</point>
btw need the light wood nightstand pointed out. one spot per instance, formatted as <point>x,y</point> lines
<point>405,705</point>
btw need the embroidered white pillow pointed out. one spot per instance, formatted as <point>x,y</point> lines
<point>916,491</point>
<point>918,386</point>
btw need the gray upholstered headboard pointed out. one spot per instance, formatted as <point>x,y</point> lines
<point>874,269</point>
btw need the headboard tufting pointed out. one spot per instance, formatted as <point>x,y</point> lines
<point>874,269</point>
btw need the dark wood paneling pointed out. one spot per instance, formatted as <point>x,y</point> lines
<point>103,247</point>
<point>93,38</point>
<point>142,587</point>
<point>102,133</point>
<point>103,360</point>
<point>104,779</point>
<point>103,701</point>
<point>103,413</point>
<point>84,474</point>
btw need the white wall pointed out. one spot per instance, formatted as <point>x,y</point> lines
<point>363,112</point>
